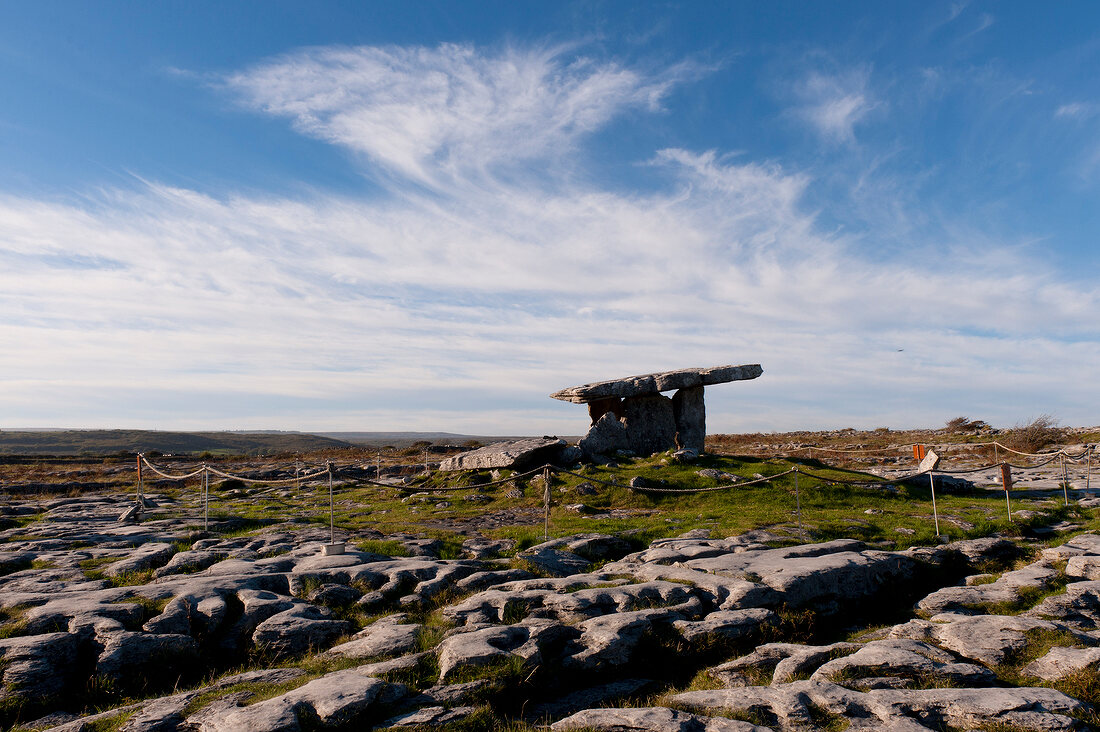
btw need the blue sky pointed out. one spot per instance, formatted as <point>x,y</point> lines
<point>421,216</point>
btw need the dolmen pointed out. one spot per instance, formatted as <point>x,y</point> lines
<point>632,414</point>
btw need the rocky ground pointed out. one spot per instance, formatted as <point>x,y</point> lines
<point>247,624</point>
<point>166,629</point>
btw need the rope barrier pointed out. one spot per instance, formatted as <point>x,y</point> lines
<point>331,470</point>
<point>266,481</point>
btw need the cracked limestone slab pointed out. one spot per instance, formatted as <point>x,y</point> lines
<point>650,719</point>
<point>792,706</point>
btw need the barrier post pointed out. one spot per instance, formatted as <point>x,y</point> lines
<point>205,498</point>
<point>140,486</point>
<point>331,509</point>
<point>1088,467</point>
<point>798,506</point>
<point>546,503</point>
<point>1006,481</point>
<point>928,462</point>
<point>1065,480</point>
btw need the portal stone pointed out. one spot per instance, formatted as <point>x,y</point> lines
<point>650,423</point>
<point>691,417</point>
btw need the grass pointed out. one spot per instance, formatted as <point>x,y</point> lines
<point>387,547</point>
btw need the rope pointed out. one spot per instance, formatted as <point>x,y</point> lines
<point>432,489</point>
<point>278,481</point>
<point>1051,457</point>
<point>159,472</point>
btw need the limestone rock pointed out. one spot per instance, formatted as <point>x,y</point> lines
<point>988,639</point>
<point>690,414</point>
<point>190,561</point>
<point>385,637</point>
<point>906,658</point>
<point>647,384</point>
<point>554,561</point>
<point>726,624</point>
<point>127,656</point>
<point>650,423</point>
<point>792,706</point>
<point>298,630</point>
<point>650,719</point>
<point>483,646</point>
<point>332,593</point>
<point>518,454</point>
<point>605,437</point>
<point>335,699</point>
<point>428,717</point>
<point>153,554</point>
<point>39,667</point>
<point>1061,661</point>
<point>1078,606</point>
<point>1084,567</point>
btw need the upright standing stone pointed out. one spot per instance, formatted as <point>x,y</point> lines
<point>650,423</point>
<point>691,417</point>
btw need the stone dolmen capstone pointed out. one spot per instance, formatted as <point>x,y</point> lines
<point>631,413</point>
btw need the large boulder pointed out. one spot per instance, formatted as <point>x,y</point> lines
<point>605,437</point>
<point>518,454</point>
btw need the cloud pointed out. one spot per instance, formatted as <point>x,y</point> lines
<point>833,104</point>
<point>462,307</point>
<point>1077,110</point>
<point>423,112</point>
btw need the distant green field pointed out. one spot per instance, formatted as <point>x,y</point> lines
<point>109,442</point>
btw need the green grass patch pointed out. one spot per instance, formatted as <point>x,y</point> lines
<point>386,547</point>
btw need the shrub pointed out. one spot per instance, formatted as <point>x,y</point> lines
<point>1035,435</point>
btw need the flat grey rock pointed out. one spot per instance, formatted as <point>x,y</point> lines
<point>988,639</point>
<point>632,386</point>
<point>153,554</point>
<point>384,637</point>
<point>37,668</point>
<point>650,719</point>
<point>298,630</point>
<point>335,699</point>
<point>519,454</point>
<point>791,706</point>
<point>428,717</point>
<point>1060,661</point>
<point>726,624</point>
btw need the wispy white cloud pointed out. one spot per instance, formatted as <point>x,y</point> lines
<point>461,307</point>
<point>833,104</point>
<point>1077,110</point>
<point>423,112</point>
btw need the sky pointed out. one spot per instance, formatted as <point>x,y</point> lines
<point>379,216</point>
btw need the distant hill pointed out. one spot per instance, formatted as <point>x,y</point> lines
<point>108,442</point>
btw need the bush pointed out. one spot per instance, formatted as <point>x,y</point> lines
<point>964,424</point>
<point>1035,435</point>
